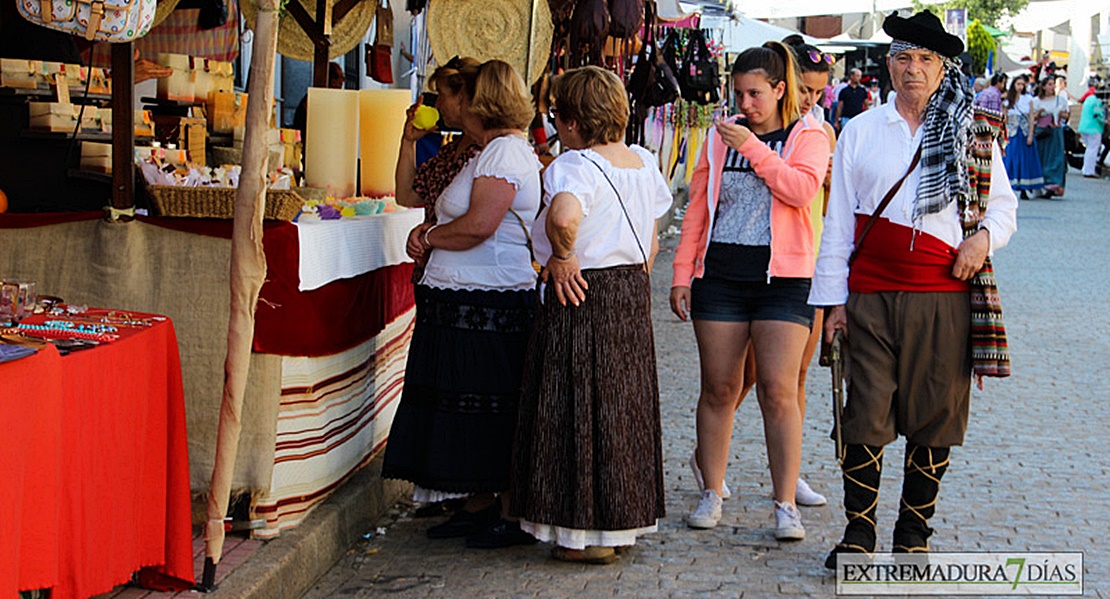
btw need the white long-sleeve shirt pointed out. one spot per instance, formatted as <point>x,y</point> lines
<point>873,152</point>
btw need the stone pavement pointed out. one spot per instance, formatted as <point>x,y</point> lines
<point>1032,476</point>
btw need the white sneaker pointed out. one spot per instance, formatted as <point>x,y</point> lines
<point>804,495</point>
<point>788,523</point>
<point>708,511</point>
<point>725,491</point>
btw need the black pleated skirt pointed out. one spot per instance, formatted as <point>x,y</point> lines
<point>588,452</point>
<point>453,430</point>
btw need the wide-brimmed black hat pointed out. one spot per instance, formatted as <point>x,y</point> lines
<point>924,29</point>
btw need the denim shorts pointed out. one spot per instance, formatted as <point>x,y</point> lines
<point>722,300</point>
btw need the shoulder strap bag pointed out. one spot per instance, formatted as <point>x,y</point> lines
<point>882,206</point>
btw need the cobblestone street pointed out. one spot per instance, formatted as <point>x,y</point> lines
<point>1032,476</point>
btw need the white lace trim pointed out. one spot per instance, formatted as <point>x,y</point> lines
<point>575,538</point>
<point>422,495</point>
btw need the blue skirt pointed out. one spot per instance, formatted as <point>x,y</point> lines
<point>1050,147</point>
<point>1023,165</point>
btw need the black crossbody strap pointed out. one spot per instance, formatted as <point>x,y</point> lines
<point>628,218</point>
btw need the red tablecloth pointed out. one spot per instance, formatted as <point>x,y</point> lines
<point>100,466</point>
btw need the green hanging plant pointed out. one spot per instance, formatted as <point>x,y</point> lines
<point>979,45</point>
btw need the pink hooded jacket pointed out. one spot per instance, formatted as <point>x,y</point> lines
<point>793,179</point>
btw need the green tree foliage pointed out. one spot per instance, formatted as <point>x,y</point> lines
<point>979,45</point>
<point>987,12</point>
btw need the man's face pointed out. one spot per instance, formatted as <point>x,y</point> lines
<point>916,74</point>
<point>854,77</point>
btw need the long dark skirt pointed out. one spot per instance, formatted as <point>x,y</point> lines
<point>453,430</point>
<point>588,452</point>
<point>1050,148</point>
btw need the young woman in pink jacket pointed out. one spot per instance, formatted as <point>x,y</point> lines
<point>743,267</point>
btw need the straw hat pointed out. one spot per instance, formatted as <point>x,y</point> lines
<point>294,43</point>
<point>163,10</point>
<point>488,29</point>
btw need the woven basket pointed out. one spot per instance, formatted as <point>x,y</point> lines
<point>218,202</point>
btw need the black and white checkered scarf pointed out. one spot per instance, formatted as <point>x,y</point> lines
<point>947,125</point>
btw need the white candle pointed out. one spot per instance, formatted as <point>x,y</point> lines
<point>331,151</point>
<point>381,125</point>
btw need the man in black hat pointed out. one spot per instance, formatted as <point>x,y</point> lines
<point>904,293</point>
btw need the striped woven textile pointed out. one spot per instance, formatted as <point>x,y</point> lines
<point>178,34</point>
<point>990,351</point>
<point>334,417</point>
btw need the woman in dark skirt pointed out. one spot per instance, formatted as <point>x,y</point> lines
<point>588,468</point>
<point>453,431</point>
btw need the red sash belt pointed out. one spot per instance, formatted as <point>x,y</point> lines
<point>886,261</point>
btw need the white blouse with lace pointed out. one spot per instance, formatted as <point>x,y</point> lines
<point>502,261</point>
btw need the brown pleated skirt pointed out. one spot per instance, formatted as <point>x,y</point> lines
<point>588,451</point>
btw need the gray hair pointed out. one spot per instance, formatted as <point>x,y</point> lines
<point>855,72</point>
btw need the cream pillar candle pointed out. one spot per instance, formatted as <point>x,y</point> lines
<point>331,152</point>
<point>381,124</point>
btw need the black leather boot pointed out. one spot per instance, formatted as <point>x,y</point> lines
<point>862,468</point>
<point>925,466</point>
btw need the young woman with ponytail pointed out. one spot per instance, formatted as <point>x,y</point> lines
<point>742,272</point>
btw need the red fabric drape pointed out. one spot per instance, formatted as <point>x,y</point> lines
<point>120,478</point>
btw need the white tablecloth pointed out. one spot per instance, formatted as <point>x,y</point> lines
<point>340,249</point>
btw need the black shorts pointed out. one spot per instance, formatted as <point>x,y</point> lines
<point>722,300</point>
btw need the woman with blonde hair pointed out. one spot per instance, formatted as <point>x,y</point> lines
<point>588,461</point>
<point>453,430</point>
<point>742,272</point>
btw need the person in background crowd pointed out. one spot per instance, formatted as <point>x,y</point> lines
<point>588,457</point>
<point>979,85</point>
<point>1023,165</point>
<point>1050,114</point>
<point>874,94</point>
<point>1092,123</point>
<point>852,100</point>
<point>827,100</point>
<point>453,431</point>
<point>905,302</point>
<point>837,87</point>
<point>991,97</point>
<point>1062,88</point>
<point>742,268</point>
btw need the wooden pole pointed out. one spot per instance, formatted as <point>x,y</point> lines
<point>248,271</point>
<point>123,130</point>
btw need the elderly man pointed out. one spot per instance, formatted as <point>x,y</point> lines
<point>905,293</point>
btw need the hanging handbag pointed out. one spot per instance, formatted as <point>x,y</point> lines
<point>379,59</point>
<point>699,75</point>
<point>113,21</point>
<point>652,82</point>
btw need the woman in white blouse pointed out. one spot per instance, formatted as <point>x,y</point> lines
<point>588,465</point>
<point>453,431</point>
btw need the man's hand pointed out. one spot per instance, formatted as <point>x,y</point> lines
<point>680,302</point>
<point>836,317</point>
<point>971,254</point>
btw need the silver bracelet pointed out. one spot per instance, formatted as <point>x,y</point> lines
<point>426,242</point>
